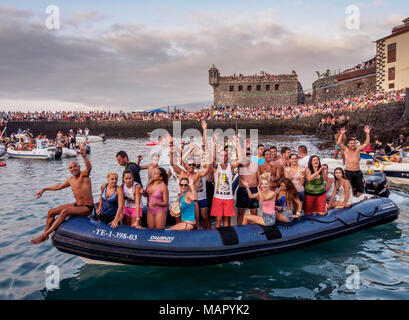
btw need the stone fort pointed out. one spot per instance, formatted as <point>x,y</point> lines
<point>256,90</point>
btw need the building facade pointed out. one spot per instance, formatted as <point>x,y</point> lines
<point>256,90</point>
<point>392,59</point>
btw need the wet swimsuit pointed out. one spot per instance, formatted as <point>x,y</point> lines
<point>91,208</point>
<point>109,206</point>
<point>156,197</point>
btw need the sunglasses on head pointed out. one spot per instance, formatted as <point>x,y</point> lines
<point>183,185</point>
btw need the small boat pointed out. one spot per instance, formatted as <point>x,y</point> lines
<point>39,154</point>
<point>152,143</point>
<point>68,153</point>
<point>89,139</point>
<point>2,164</point>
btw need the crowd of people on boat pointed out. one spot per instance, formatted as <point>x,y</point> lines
<point>219,112</point>
<point>286,186</point>
<point>24,140</point>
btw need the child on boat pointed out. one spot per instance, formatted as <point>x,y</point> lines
<point>133,208</point>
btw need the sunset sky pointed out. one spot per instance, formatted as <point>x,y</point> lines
<point>139,55</point>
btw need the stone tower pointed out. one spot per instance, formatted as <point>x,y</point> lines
<point>213,76</point>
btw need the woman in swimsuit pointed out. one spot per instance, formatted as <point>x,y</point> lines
<point>187,198</point>
<point>297,175</point>
<point>267,199</point>
<point>342,194</point>
<point>289,205</point>
<point>111,202</point>
<point>158,198</point>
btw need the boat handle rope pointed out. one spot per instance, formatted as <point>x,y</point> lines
<point>369,215</point>
<point>337,218</point>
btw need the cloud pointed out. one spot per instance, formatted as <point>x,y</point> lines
<point>85,17</point>
<point>132,66</point>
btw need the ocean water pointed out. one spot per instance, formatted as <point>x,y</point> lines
<point>317,272</point>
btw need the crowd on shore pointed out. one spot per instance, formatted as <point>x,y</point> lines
<point>285,186</point>
<point>362,102</point>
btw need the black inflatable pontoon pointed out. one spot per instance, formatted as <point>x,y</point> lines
<point>94,240</point>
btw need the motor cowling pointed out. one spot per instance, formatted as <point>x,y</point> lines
<point>58,153</point>
<point>377,184</point>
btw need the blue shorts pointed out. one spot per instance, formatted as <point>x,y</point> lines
<point>202,203</point>
<point>301,196</point>
<point>269,219</point>
<point>287,215</point>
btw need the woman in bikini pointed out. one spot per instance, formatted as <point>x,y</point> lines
<point>289,205</point>
<point>187,198</point>
<point>158,198</point>
<point>342,194</point>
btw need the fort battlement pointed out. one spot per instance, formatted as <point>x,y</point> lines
<point>256,90</point>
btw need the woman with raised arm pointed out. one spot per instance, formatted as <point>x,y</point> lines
<point>187,198</point>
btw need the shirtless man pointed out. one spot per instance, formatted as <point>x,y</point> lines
<point>337,147</point>
<point>274,155</point>
<point>80,184</point>
<point>249,176</point>
<point>352,156</point>
<point>270,167</point>
<point>152,166</point>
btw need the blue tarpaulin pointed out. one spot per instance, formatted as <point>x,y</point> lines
<point>157,110</point>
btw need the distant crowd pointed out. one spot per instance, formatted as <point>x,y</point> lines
<point>366,101</point>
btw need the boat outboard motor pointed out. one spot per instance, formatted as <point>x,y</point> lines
<point>87,149</point>
<point>102,135</point>
<point>377,184</point>
<point>58,153</point>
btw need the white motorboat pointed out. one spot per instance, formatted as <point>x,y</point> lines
<point>89,139</point>
<point>397,173</point>
<point>68,153</point>
<point>40,154</point>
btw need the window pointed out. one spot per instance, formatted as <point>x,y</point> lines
<point>391,74</point>
<point>360,85</point>
<point>240,88</point>
<point>231,88</point>
<point>276,87</point>
<point>249,88</point>
<point>267,87</point>
<point>391,86</point>
<point>392,52</point>
<point>258,87</point>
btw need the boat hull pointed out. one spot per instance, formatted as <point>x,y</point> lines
<point>96,241</point>
<point>37,154</point>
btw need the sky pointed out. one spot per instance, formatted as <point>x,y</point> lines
<point>133,55</point>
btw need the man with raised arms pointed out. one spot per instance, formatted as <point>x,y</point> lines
<point>80,184</point>
<point>352,157</point>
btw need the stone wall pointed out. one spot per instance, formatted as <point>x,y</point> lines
<point>347,89</point>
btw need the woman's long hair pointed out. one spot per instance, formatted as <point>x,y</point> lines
<point>163,174</point>
<point>291,193</point>
<point>343,173</point>
<point>310,166</point>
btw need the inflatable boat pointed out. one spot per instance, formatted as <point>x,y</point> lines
<point>2,164</point>
<point>96,242</point>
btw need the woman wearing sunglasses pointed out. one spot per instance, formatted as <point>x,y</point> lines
<point>187,198</point>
